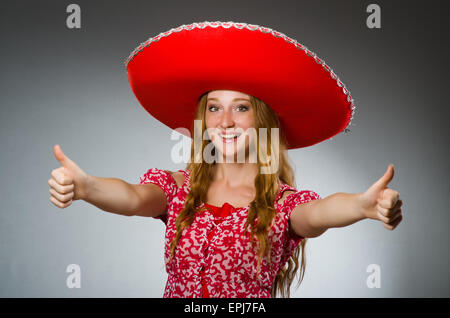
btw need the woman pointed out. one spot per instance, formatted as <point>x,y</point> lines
<point>233,227</point>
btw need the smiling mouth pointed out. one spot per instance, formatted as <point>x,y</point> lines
<point>229,138</point>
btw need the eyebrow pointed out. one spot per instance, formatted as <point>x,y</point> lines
<point>235,99</point>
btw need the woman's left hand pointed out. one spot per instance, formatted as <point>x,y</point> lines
<point>381,203</point>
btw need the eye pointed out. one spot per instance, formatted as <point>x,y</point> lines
<point>242,108</point>
<point>212,108</point>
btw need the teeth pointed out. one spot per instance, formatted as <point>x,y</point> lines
<point>228,136</point>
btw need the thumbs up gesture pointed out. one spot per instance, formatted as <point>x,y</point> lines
<point>381,203</point>
<point>68,182</point>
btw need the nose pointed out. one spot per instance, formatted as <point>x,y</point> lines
<point>226,120</point>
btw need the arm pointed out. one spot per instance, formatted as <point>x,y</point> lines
<point>69,183</point>
<point>313,218</point>
<point>119,197</point>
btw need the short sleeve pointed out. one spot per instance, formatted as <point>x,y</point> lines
<point>290,202</point>
<point>165,181</point>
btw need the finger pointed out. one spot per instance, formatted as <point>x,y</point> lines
<point>394,217</point>
<point>62,189</point>
<point>61,197</point>
<point>61,177</point>
<point>59,204</point>
<point>392,226</point>
<point>62,158</point>
<point>390,198</point>
<point>386,178</point>
<point>389,212</point>
<point>59,155</point>
<point>382,218</point>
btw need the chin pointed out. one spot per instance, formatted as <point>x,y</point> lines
<point>231,150</point>
<point>232,156</point>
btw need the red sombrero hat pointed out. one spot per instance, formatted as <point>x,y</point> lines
<point>169,72</point>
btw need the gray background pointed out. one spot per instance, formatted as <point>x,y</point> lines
<point>70,87</point>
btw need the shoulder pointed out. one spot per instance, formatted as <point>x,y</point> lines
<point>164,177</point>
<point>291,196</point>
<point>179,177</point>
<point>285,194</point>
<point>284,191</point>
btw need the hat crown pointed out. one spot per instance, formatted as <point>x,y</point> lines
<point>344,109</point>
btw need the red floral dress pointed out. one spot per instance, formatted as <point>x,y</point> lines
<point>214,256</point>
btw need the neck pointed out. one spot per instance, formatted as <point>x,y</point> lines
<point>235,174</point>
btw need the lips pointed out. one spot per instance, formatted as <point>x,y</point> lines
<point>228,136</point>
<point>229,140</point>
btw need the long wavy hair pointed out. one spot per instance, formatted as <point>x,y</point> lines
<point>261,211</point>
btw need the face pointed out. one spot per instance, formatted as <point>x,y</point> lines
<point>229,114</point>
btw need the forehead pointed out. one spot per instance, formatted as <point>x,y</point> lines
<point>227,94</point>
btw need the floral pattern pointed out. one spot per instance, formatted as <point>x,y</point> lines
<point>225,262</point>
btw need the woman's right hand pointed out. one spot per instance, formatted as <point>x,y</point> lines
<point>68,182</point>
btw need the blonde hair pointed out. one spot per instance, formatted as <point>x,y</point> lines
<point>261,211</point>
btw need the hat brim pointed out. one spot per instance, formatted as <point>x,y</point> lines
<point>169,72</point>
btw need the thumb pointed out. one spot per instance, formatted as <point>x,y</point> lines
<point>386,178</point>
<point>62,158</point>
